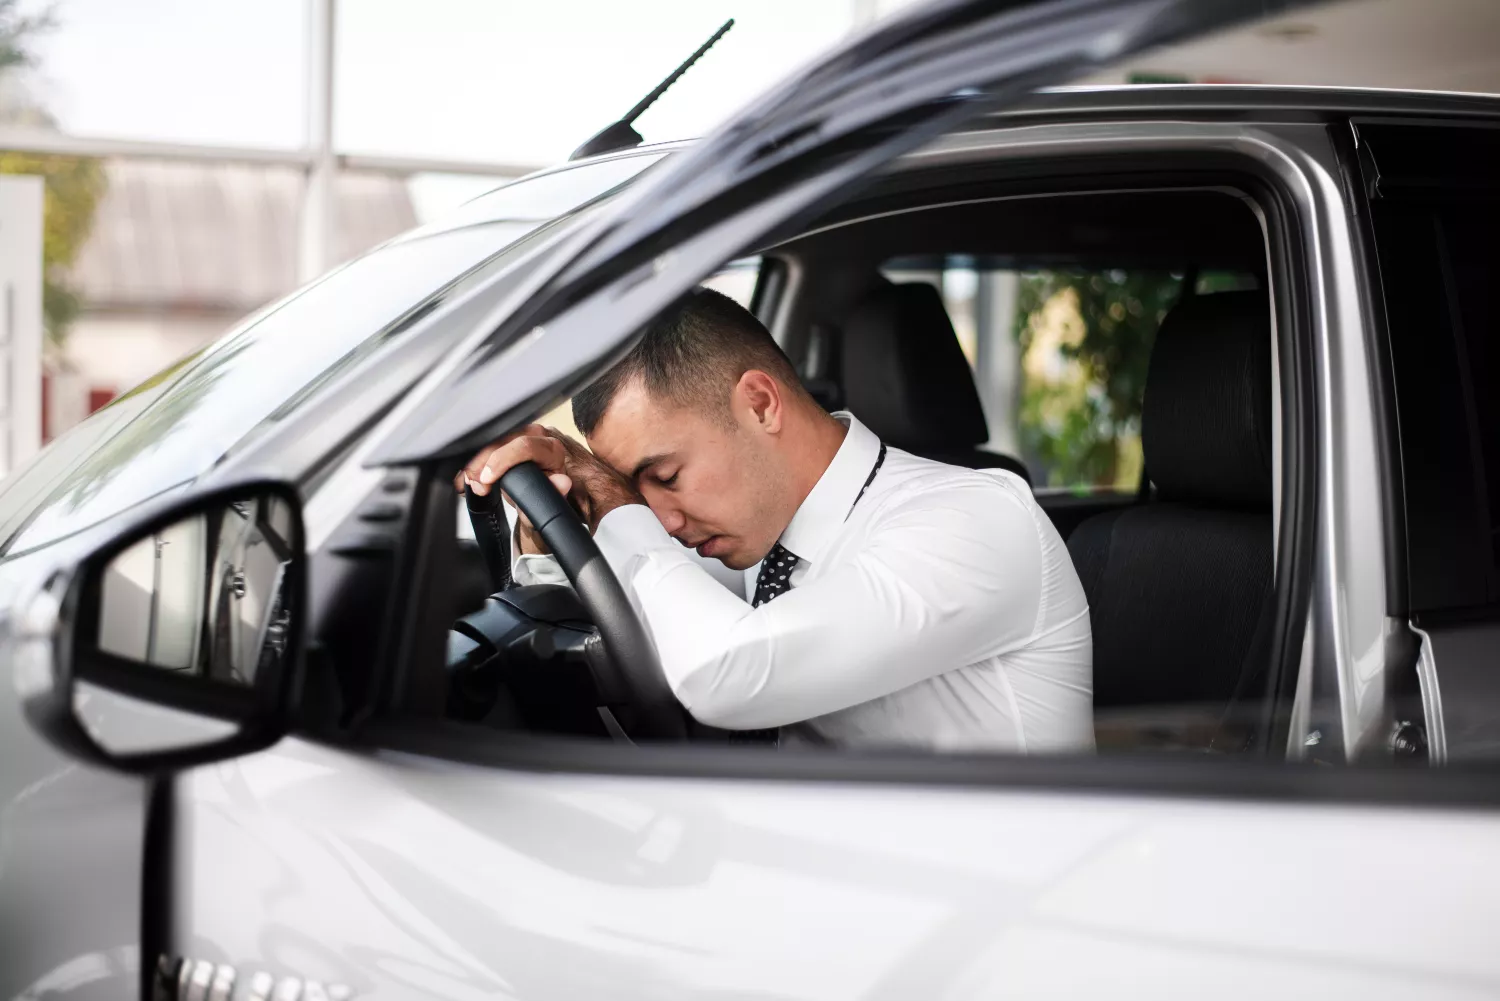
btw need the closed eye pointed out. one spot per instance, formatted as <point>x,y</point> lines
<point>667,481</point>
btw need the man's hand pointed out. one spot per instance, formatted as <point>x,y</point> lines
<point>592,487</point>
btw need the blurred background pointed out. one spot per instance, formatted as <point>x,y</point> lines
<point>202,158</point>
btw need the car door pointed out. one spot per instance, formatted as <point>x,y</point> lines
<point>424,861</point>
<point>83,850</point>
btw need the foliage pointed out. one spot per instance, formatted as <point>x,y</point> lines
<point>1085,340</point>
<point>16,29</point>
<point>73,185</point>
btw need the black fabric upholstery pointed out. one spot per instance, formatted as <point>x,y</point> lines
<point>1179,586</point>
<point>1206,423</point>
<point>905,376</point>
<point>1175,594</point>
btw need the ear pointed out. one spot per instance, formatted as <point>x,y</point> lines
<point>757,400</point>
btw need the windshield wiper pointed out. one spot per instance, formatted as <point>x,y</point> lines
<point>622,134</point>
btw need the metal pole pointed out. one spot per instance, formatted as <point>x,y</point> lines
<point>316,253</point>
<point>24,139</point>
<point>998,359</point>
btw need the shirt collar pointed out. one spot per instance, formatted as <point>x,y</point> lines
<point>832,497</point>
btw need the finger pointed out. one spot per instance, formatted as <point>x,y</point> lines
<point>545,452</point>
<point>475,466</point>
<point>470,472</point>
<point>562,481</point>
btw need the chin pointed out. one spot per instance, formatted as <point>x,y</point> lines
<point>737,561</point>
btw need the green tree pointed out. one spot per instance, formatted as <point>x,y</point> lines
<point>1080,411</point>
<point>73,185</point>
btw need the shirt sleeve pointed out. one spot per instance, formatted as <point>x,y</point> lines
<point>529,568</point>
<point>538,568</point>
<point>937,585</point>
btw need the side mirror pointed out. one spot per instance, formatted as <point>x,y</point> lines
<point>178,643</point>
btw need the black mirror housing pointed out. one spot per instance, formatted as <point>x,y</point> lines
<point>197,609</point>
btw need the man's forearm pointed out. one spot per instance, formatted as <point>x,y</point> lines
<point>901,612</point>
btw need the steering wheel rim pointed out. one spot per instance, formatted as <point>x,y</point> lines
<point>632,666</point>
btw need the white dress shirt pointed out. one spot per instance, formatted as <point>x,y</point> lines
<point>941,611</point>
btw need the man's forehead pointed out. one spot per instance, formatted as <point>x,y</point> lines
<point>636,425</point>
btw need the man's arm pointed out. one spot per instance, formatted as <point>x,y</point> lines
<point>592,488</point>
<point>939,585</point>
<point>542,568</point>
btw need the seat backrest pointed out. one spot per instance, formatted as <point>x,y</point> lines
<point>904,374</point>
<point>1179,587</point>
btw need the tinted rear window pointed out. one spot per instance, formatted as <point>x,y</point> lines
<point>1435,209</point>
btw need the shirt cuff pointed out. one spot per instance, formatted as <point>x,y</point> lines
<point>529,568</point>
<point>536,568</point>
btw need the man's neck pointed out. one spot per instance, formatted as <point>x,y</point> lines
<point>817,445</point>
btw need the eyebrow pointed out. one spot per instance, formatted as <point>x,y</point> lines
<point>647,463</point>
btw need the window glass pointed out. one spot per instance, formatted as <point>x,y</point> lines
<point>545,196</point>
<point>736,279</point>
<point>177,424</point>
<point>1435,213</point>
<point>1060,359</point>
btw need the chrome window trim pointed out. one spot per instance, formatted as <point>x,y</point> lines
<point>1349,620</point>
<point>1432,700</point>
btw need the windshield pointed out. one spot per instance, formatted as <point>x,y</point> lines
<point>178,424</point>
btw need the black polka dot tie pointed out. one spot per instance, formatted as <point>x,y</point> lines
<point>775,575</point>
<point>774,580</point>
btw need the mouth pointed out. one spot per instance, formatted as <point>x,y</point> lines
<point>710,546</point>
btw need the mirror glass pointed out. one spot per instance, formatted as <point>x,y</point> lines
<point>204,596</point>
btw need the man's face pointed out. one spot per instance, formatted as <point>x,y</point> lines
<point>712,483</point>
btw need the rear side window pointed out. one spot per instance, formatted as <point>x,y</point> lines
<point>1435,211</point>
<point>1060,358</point>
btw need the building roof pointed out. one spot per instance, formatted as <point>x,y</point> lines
<point>188,236</point>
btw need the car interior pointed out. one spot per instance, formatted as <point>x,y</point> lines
<point>1173,543</point>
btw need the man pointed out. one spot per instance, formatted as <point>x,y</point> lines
<point>849,593</point>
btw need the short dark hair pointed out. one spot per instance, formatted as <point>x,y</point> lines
<point>692,354</point>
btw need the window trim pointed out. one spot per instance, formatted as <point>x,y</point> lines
<point>1163,776</point>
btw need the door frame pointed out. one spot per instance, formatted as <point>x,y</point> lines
<point>1242,150</point>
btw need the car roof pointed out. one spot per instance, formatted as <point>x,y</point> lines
<point>1216,99</point>
<point>1112,100</point>
<point>645,149</point>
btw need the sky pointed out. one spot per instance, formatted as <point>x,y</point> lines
<point>491,80</point>
<point>525,82</point>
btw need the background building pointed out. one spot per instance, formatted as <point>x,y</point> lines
<point>180,252</point>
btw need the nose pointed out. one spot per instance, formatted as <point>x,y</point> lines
<point>672,519</point>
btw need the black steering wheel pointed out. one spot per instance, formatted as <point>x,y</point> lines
<point>630,676</point>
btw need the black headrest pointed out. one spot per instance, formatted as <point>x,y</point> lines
<point>1206,424</point>
<point>905,375</point>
